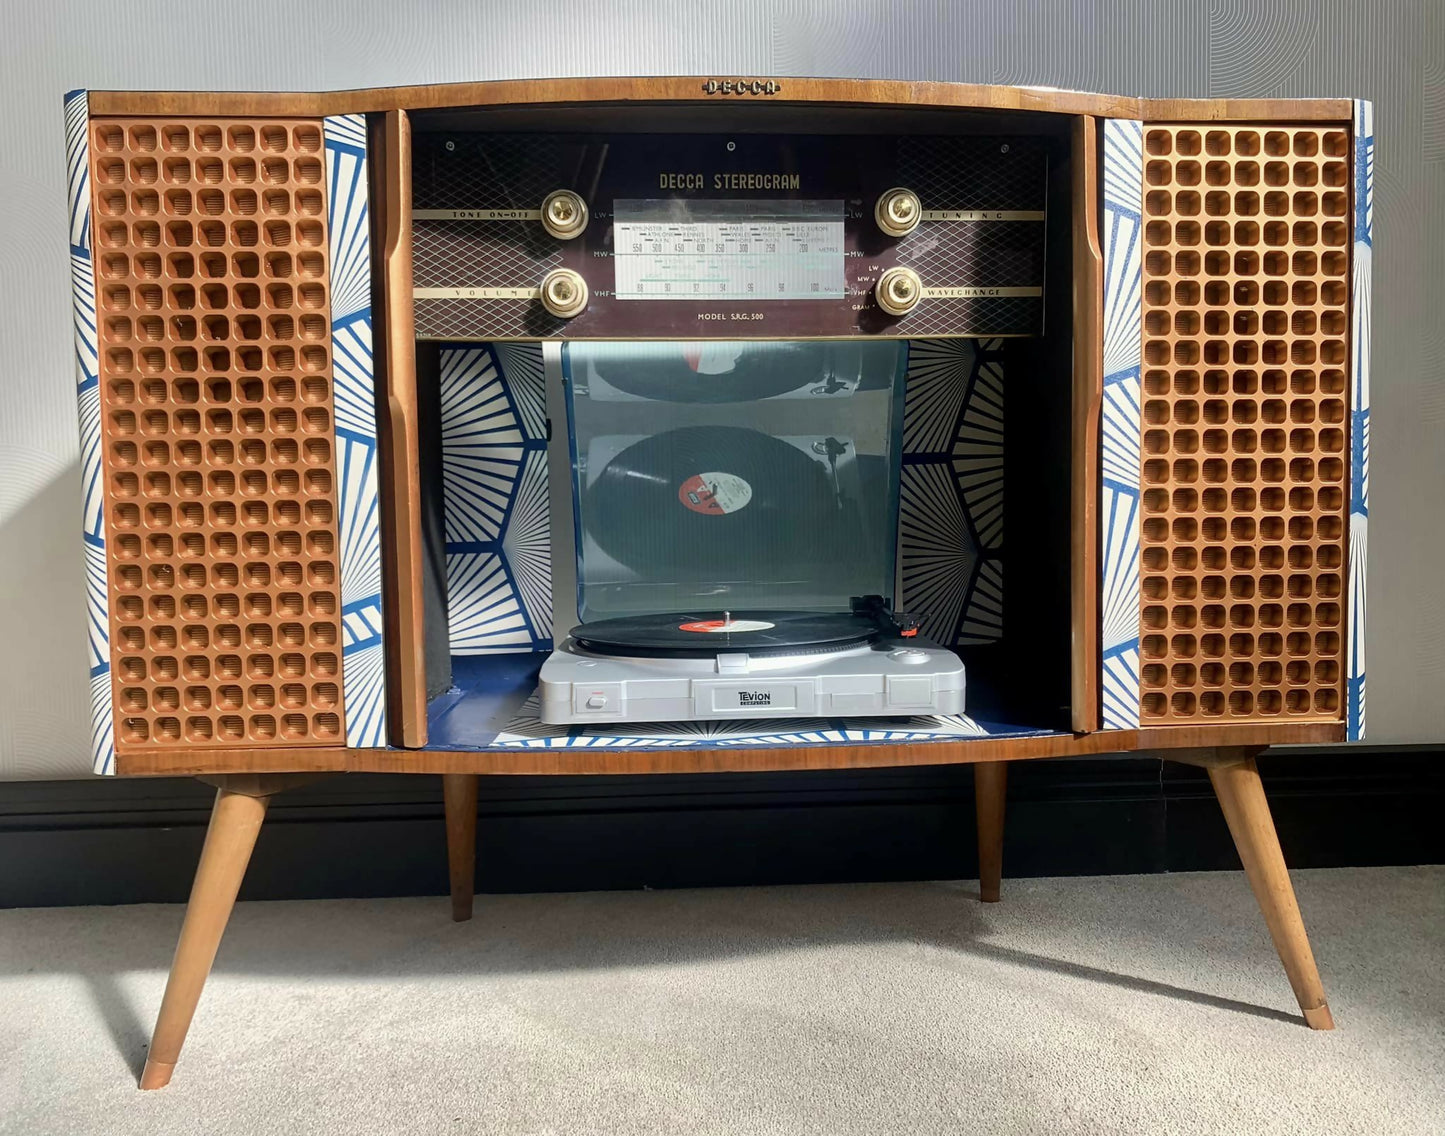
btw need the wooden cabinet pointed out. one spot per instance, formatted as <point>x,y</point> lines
<point>282,453</point>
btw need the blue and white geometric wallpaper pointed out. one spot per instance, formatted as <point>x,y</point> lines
<point>363,668</point>
<point>1364,189</point>
<point>494,483</point>
<point>950,512</point>
<point>87,371</point>
<point>1121,425</point>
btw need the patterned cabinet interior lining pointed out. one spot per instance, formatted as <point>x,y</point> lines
<point>363,653</point>
<point>1123,175</point>
<point>87,389</point>
<point>1245,408</point>
<point>494,487</point>
<point>1363,256</point>
<point>951,503</point>
<point>216,419</point>
<point>494,477</point>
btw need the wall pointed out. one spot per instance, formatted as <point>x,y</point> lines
<point>1391,51</point>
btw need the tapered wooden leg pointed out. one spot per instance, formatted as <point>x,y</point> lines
<point>1241,794</point>
<point>235,821</point>
<point>990,785</point>
<point>236,817</point>
<point>459,793</point>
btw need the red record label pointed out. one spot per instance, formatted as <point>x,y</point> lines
<point>714,626</point>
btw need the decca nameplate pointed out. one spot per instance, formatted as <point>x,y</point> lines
<point>707,235</point>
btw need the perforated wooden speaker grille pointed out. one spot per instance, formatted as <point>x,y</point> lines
<point>1246,278</point>
<point>217,411</point>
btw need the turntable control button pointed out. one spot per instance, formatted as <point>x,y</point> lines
<point>898,290</point>
<point>898,211</point>
<point>909,655</point>
<point>564,293</point>
<point>564,214</point>
<point>598,698</point>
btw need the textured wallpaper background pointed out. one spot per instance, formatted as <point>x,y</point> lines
<point>1391,51</point>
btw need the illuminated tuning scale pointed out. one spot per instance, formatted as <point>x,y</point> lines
<point>728,250</point>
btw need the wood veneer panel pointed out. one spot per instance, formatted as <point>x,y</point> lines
<point>195,761</point>
<point>1244,390</point>
<point>690,88</point>
<point>1246,110</point>
<point>400,453</point>
<point>1088,320</point>
<point>620,89</point>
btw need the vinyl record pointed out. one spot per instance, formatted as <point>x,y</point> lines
<point>718,503</point>
<point>718,372</point>
<point>706,633</point>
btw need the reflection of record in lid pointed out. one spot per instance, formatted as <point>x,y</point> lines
<point>719,502</point>
<point>719,372</point>
<point>715,493</point>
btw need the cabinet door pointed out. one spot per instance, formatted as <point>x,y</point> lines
<point>1235,421</point>
<point>222,287</point>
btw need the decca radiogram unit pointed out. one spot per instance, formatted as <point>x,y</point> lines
<point>677,425</point>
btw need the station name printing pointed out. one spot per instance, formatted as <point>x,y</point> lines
<point>729,181</point>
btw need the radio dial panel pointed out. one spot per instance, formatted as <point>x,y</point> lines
<point>524,236</point>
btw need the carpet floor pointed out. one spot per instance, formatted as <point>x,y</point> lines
<point>1144,1004</point>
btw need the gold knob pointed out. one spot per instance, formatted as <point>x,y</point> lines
<point>564,293</point>
<point>564,214</point>
<point>898,291</point>
<point>898,211</point>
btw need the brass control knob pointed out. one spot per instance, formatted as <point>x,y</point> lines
<point>898,291</point>
<point>898,211</point>
<point>564,293</point>
<point>564,214</point>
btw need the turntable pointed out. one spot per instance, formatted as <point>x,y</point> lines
<point>736,561</point>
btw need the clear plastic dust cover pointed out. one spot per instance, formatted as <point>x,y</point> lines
<point>733,475</point>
